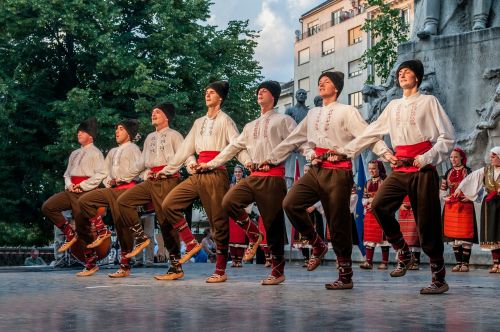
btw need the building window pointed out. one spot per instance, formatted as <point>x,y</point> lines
<point>336,17</point>
<point>405,15</point>
<point>355,35</point>
<point>304,84</point>
<point>356,99</point>
<point>313,27</point>
<point>328,46</point>
<point>355,68</point>
<point>304,56</point>
<point>329,69</point>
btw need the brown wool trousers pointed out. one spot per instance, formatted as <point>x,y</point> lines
<point>333,188</point>
<point>64,201</point>
<point>143,193</point>
<point>105,197</point>
<point>268,193</point>
<point>423,190</point>
<point>210,188</point>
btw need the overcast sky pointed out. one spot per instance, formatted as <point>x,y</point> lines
<point>276,20</point>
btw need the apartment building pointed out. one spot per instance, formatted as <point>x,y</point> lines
<point>331,39</point>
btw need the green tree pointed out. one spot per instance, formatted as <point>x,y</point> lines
<point>387,29</point>
<point>62,61</point>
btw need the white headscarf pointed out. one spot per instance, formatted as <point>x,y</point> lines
<point>496,150</point>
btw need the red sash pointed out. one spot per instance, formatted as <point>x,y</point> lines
<point>411,151</point>
<point>206,156</point>
<point>78,179</point>
<point>278,170</point>
<point>344,164</point>
<point>491,195</point>
<point>125,185</point>
<point>156,169</point>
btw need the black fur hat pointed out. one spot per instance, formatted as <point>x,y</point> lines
<point>89,126</point>
<point>415,66</point>
<point>168,109</point>
<point>221,87</point>
<point>337,78</point>
<point>273,87</point>
<point>131,126</point>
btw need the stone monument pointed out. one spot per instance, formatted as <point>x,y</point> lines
<point>318,101</point>
<point>298,112</point>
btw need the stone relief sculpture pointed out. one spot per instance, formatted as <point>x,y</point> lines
<point>379,96</point>
<point>439,17</point>
<point>486,134</point>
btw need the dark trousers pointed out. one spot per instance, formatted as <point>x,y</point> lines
<point>210,188</point>
<point>423,190</point>
<point>141,194</point>
<point>106,197</point>
<point>268,193</point>
<point>63,201</point>
<point>333,188</point>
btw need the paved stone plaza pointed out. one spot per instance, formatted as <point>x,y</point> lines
<point>55,300</point>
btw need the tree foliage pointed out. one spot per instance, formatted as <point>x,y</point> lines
<point>62,61</point>
<point>387,30</point>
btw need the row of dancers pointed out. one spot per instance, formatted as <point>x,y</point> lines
<point>329,137</point>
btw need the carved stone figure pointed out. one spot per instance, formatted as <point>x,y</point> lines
<point>318,101</point>
<point>299,111</point>
<point>437,15</point>
<point>487,131</point>
<point>379,96</point>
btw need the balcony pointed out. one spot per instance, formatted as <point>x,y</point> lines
<point>344,16</point>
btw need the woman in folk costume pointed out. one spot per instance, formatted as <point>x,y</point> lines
<point>237,237</point>
<point>410,233</point>
<point>373,234</point>
<point>459,218</point>
<point>487,177</point>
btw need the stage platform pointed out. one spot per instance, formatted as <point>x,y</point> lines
<point>55,300</point>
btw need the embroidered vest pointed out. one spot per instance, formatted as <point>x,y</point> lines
<point>489,179</point>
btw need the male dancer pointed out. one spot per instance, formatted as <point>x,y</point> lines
<point>209,135</point>
<point>267,188</point>
<point>324,129</point>
<point>121,171</point>
<point>159,149</point>
<point>84,173</point>
<point>422,136</point>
